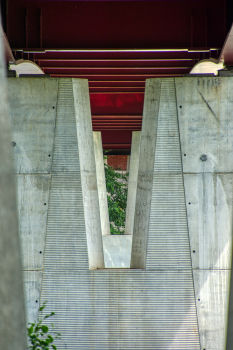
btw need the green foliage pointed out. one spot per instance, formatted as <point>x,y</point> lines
<point>116,183</point>
<point>38,333</point>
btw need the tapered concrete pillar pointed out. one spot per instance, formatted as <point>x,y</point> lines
<point>132,183</point>
<point>88,173</point>
<point>101,182</point>
<point>12,312</point>
<point>145,173</point>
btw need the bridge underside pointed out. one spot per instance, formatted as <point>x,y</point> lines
<point>175,295</point>
<point>116,45</point>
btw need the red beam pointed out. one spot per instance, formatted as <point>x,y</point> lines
<point>115,77</point>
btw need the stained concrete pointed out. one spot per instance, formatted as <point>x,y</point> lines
<point>205,111</point>
<point>33,197</point>
<point>205,107</point>
<point>33,114</point>
<point>211,290</point>
<point>33,111</point>
<point>117,251</point>
<point>32,285</point>
<point>209,199</point>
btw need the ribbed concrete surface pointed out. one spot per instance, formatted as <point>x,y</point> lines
<point>168,244</point>
<point>113,309</point>
<point>123,309</point>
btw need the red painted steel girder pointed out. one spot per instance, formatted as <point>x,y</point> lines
<point>116,24</point>
<point>97,40</point>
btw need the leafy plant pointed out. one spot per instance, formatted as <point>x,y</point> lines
<point>38,333</point>
<point>116,183</point>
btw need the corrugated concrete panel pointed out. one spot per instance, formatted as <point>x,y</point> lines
<point>205,107</point>
<point>209,199</point>
<point>33,111</point>
<point>211,289</point>
<point>123,309</point>
<point>33,196</point>
<point>117,251</point>
<point>168,245</point>
<point>32,287</point>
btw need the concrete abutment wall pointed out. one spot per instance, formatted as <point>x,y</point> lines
<point>180,300</point>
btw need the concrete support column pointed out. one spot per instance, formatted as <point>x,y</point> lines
<point>101,183</point>
<point>88,173</point>
<point>12,312</point>
<point>132,183</point>
<point>145,173</point>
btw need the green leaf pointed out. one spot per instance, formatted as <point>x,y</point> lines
<point>49,339</point>
<point>45,328</point>
<point>30,330</point>
<point>43,306</point>
<point>54,347</point>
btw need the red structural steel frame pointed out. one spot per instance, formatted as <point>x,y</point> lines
<point>116,45</point>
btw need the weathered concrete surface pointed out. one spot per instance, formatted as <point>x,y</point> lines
<point>12,311</point>
<point>205,107</point>
<point>33,111</point>
<point>145,173</point>
<point>205,111</point>
<point>88,173</point>
<point>211,290</point>
<point>132,182</point>
<point>117,251</point>
<point>101,183</point>
<point>33,196</point>
<point>209,199</point>
<point>105,309</point>
<point>32,286</point>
